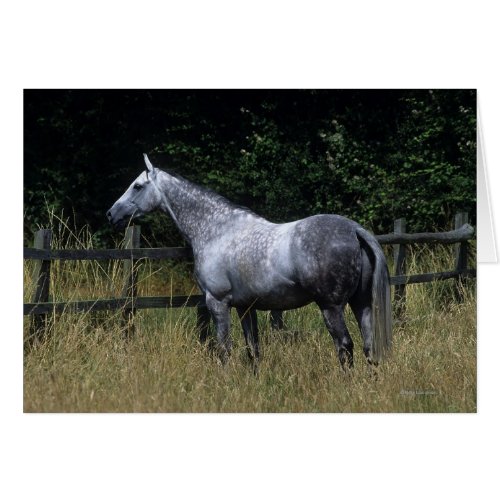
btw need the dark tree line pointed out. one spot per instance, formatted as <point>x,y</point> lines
<point>372,155</point>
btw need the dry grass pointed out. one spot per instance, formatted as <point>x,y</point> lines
<point>85,365</point>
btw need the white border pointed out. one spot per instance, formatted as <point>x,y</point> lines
<point>257,44</point>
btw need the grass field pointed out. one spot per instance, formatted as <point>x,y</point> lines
<point>86,365</point>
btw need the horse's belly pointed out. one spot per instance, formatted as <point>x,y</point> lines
<point>290,301</point>
<point>284,296</point>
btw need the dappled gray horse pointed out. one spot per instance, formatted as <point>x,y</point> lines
<point>245,261</point>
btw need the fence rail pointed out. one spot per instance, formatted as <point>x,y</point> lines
<point>178,253</point>
<point>113,304</point>
<point>40,306</point>
<point>463,233</point>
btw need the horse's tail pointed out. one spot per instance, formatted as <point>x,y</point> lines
<point>381,298</point>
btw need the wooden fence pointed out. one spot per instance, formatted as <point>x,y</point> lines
<point>129,302</point>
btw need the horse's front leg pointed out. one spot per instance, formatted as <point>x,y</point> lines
<point>219,309</point>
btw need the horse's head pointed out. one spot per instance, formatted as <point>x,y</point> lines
<point>140,198</point>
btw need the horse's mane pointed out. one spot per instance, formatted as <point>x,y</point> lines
<point>210,193</point>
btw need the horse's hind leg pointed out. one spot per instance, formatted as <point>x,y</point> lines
<point>335,323</point>
<point>277,319</point>
<point>248,318</point>
<point>363,312</point>
<point>220,314</point>
<point>361,305</point>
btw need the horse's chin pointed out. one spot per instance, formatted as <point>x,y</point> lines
<point>121,224</point>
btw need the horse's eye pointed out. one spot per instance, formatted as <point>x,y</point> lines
<point>137,187</point>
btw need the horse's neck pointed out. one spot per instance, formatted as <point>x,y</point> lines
<point>198,213</point>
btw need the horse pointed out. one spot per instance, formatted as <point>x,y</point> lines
<point>244,261</point>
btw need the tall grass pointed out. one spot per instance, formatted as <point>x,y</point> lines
<point>86,365</point>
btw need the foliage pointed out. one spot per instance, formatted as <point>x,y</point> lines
<point>372,155</point>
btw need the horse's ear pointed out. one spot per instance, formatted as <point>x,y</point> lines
<point>149,167</point>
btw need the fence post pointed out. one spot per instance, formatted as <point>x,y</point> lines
<point>41,279</point>
<point>399,252</point>
<point>132,240</point>
<point>461,254</point>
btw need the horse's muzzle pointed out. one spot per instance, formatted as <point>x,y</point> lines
<point>116,223</point>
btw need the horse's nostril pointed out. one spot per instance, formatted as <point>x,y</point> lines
<point>109,214</point>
